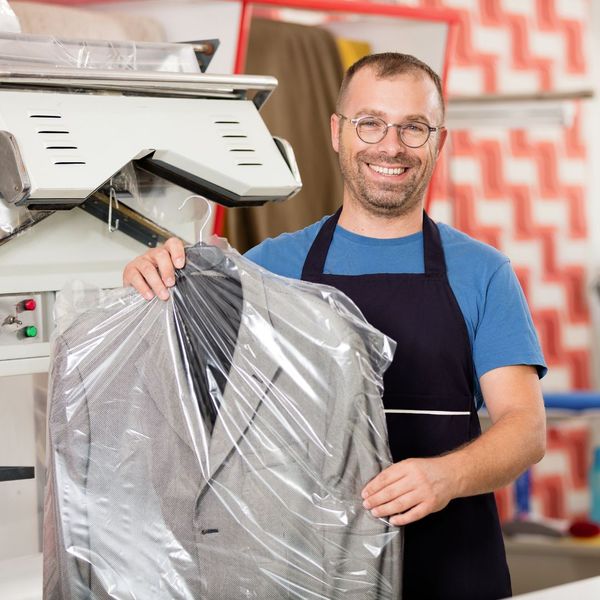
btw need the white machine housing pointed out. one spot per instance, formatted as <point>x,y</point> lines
<point>71,144</point>
<point>66,133</point>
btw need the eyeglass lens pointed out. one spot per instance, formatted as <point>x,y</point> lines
<point>372,130</point>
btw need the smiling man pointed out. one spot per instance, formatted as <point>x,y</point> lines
<point>388,182</point>
<point>456,311</point>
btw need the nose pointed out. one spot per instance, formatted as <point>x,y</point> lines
<point>391,143</point>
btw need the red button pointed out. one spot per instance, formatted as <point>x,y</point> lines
<point>29,304</point>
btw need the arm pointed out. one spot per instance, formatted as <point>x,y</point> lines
<point>417,487</point>
<point>153,272</point>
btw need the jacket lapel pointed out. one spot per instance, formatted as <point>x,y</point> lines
<point>254,370</point>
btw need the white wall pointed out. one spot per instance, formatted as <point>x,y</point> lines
<point>22,444</point>
<point>386,34</point>
<point>187,21</point>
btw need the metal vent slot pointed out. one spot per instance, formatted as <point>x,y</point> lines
<point>249,164</point>
<point>69,162</point>
<point>45,117</point>
<point>54,131</point>
<point>61,147</point>
<point>234,135</point>
<point>227,122</point>
<point>241,150</point>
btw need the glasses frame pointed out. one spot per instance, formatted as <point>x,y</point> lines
<point>356,122</point>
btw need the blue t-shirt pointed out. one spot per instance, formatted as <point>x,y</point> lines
<point>482,279</point>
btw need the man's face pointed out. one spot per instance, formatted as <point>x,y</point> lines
<point>406,97</point>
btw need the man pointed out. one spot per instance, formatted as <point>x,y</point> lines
<point>454,307</point>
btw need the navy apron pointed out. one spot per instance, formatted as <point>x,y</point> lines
<point>458,552</point>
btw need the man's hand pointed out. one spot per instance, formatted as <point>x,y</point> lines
<point>153,272</point>
<point>410,490</point>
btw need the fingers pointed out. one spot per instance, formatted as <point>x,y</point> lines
<point>138,282</point>
<point>387,476</point>
<point>153,272</point>
<point>381,498</point>
<point>177,251</point>
<point>414,514</point>
<point>149,272</point>
<point>408,490</point>
<point>404,503</point>
<point>166,269</point>
<point>398,505</point>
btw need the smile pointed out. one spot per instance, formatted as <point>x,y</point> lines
<point>388,170</point>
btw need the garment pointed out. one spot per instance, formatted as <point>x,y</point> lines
<point>494,308</point>
<point>143,501</point>
<point>306,63</point>
<point>458,552</point>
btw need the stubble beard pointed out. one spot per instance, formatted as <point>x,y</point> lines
<point>384,200</point>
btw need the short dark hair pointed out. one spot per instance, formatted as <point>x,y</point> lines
<point>389,64</point>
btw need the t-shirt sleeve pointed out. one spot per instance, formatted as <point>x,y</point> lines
<point>505,334</point>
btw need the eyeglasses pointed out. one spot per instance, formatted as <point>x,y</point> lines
<point>372,130</point>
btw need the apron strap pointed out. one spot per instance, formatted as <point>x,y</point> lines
<point>317,255</point>
<point>433,253</point>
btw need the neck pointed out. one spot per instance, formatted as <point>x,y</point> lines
<point>356,219</point>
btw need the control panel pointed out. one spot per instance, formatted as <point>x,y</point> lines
<point>25,328</point>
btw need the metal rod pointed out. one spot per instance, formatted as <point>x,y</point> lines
<point>142,78</point>
<point>540,97</point>
<point>198,85</point>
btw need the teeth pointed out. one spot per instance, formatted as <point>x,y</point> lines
<point>387,170</point>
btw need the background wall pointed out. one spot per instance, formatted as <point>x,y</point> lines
<point>531,192</point>
<point>526,190</point>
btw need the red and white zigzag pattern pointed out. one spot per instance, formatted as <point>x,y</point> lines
<point>524,191</point>
<point>517,46</point>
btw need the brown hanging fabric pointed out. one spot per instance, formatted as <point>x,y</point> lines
<point>306,62</point>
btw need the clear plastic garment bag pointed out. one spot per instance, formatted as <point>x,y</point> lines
<point>215,445</point>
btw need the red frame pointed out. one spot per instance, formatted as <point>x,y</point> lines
<point>349,6</point>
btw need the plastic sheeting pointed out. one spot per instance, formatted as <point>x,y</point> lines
<point>47,52</point>
<point>8,19</point>
<point>214,446</point>
<point>16,221</point>
<point>156,198</point>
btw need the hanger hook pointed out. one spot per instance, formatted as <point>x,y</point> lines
<point>208,213</point>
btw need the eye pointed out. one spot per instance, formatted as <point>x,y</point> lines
<point>371,123</point>
<point>414,127</point>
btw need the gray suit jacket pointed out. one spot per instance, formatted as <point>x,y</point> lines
<point>144,502</point>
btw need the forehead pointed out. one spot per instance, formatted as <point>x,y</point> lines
<point>412,93</point>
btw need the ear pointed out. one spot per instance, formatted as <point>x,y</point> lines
<point>334,123</point>
<point>442,141</point>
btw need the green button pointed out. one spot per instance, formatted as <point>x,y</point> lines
<point>30,331</point>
